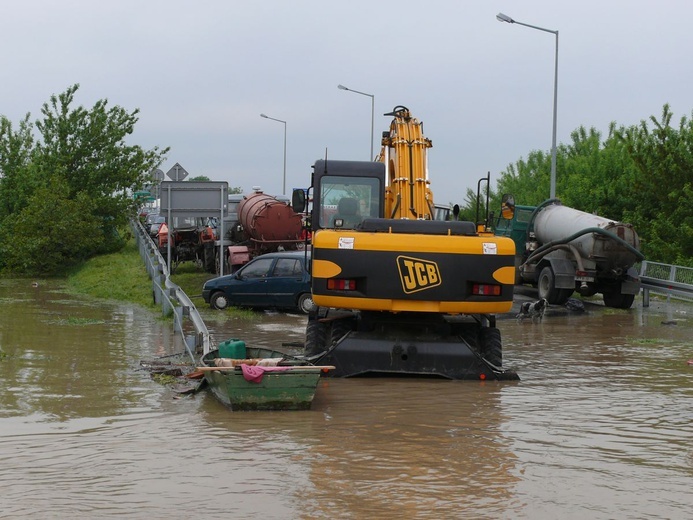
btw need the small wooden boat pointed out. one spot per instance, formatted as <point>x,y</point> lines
<point>288,385</point>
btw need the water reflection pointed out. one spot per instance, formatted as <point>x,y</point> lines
<point>599,426</point>
<point>68,358</point>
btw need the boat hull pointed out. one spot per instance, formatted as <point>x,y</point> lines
<point>285,390</point>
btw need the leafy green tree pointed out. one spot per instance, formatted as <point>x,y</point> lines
<point>528,180</point>
<point>64,196</point>
<point>638,175</point>
<point>597,176</point>
<point>661,210</point>
<point>52,232</point>
<point>17,178</point>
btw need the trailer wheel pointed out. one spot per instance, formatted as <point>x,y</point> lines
<point>218,301</point>
<point>316,337</point>
<point>490,345</point>
<point>617,300</point>
<point>208,258</point>
<point>547,288</point>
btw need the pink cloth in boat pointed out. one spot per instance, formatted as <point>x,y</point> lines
<point>254,373</point>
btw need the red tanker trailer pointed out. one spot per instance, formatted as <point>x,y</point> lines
<point>265,224</point>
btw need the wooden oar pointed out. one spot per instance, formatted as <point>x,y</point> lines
<point>284,368</point>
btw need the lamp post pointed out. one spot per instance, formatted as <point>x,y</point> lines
<point>280,121</point>
<point>372,96</point>
<point>505,18</point>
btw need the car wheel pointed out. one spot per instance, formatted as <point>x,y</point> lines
<point>218,301</point>
<point>306,303</point>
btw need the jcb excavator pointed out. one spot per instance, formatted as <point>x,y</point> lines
<point>396,292</point>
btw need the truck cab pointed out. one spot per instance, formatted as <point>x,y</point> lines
<point>516,227</point>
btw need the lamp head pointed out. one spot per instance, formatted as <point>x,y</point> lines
<point>263,115</point>
<point>342,87</point>
<point>504,18</point>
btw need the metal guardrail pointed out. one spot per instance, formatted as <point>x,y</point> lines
<point>665,279</point>
<point>170,296</point>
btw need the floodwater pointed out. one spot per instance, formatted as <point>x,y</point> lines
<point>601,425</point>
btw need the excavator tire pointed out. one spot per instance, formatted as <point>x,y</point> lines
<point>316,336</point>
<point>490,345</point>
<point>340,328</point>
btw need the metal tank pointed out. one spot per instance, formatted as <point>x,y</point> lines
<point>268,222</point>
<point>556,222</point>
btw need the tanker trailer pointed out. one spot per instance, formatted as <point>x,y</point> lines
<point>265,224</point>
<point>561,250</point>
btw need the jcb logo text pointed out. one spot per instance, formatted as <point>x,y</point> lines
<point>417,274</point>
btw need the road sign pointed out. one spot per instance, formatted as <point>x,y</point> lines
<point>177,173</point>
<point>157,175</point>
<point>194,199</point>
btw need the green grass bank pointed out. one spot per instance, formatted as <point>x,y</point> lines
<point>122,276</point>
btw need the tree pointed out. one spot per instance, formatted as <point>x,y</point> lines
<point>17,180</point>
<point>663,186</point>
<point>638,175</point>
<point>77,177</point>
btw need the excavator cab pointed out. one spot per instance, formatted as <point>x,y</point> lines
<point>345,194</point>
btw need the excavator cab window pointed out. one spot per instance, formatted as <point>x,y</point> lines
<point>346,201</point>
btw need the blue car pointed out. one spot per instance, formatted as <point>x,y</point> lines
<point>273,280</point>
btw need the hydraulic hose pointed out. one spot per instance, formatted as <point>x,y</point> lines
<point>585,231</point>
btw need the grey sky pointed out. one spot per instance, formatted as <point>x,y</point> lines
<point>202,72</point>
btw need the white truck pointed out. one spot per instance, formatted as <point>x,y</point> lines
<point>561,250</point>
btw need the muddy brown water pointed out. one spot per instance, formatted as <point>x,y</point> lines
<point>601,425</point>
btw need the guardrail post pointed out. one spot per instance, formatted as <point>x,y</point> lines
<point>171,298</point>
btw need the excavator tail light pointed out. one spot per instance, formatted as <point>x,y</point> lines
<point>341,284</point>
<point>486,289</point>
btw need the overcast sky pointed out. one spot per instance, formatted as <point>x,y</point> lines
<point>201,72</point>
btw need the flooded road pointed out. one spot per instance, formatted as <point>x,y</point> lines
<point>599,427</point>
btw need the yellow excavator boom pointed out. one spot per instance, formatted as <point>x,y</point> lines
<point>404,153</point>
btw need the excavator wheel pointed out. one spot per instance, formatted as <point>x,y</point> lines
<point>316,336</point>
<point>340,328</point>
<point>490,345</point>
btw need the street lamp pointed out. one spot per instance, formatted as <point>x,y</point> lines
<point>505,18</point>
<point>342,87</point>
<point>280,121</point>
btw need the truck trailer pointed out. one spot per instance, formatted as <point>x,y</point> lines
<point>561,250</point>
